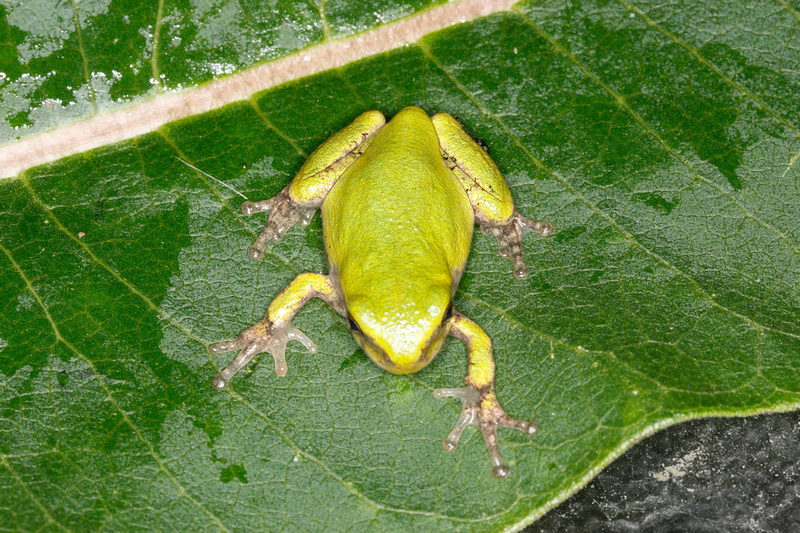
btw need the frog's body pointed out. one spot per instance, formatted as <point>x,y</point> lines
<point>399,271</point>
<point>399,202</point>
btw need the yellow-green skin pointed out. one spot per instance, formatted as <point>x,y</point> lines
<point>399,202</point>
<point>398,227</point>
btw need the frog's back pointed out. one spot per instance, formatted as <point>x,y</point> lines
<point>398,217</point>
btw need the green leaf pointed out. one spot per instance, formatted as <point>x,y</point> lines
<point>660,140</point>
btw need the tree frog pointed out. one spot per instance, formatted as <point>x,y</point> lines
<point>399,202</point>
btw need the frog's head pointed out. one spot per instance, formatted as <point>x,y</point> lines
<point>403,338</point>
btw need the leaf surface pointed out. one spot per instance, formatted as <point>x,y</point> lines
<point>659,140</point>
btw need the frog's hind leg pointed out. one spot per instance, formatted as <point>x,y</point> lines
<point>298,201</point>
<point>487,190</point>
<point>479,405</point>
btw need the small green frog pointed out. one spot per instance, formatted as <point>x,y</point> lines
<point>399,202</point>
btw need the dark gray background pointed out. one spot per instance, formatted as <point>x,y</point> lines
<point>713,475</point>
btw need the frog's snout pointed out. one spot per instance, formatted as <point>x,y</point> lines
<point>404,361</point>
<point>401,363</point>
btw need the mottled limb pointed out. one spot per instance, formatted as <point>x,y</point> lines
<point>487,190</point>
<point>274,332</point>
<point>301,198</point>
<point>284,213</point>
<point>509,239</point>
<point>263,337</point>
<point>483,410</point>
<point>479,405</point>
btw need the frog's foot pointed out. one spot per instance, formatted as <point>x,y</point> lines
<point>482,409</point>
<point>283,214</point>
<point>263,337</point>
<point>509,239</point>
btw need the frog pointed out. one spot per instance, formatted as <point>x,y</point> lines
<point>399,203</point>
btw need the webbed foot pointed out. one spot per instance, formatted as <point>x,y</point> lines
<point>483,410</point>
<point>262,337</point>
<point>509,239</point>
<point>283,214</point>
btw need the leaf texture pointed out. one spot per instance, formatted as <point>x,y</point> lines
<point>660,140</point>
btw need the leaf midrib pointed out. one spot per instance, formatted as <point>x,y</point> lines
<point>147,116</point>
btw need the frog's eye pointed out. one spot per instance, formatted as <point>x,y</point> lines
<point>352,323</point>
<point>448,313</point>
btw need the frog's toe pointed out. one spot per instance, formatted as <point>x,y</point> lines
<point>509,239</point>
<point>483,410</point>
<point>488,427</point>
<point>222,347</point>
<point>221,380</point>
<point>536,226</point>
<point>283,214</point>
<point>529,427</point>
<point>251,208</point>
<point>255,340</point>
<point>468,397</point>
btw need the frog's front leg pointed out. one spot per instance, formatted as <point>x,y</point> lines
<point>273,332</point>
<point>298,201</point>
<point>479,403</point>
<point>487,190</point>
